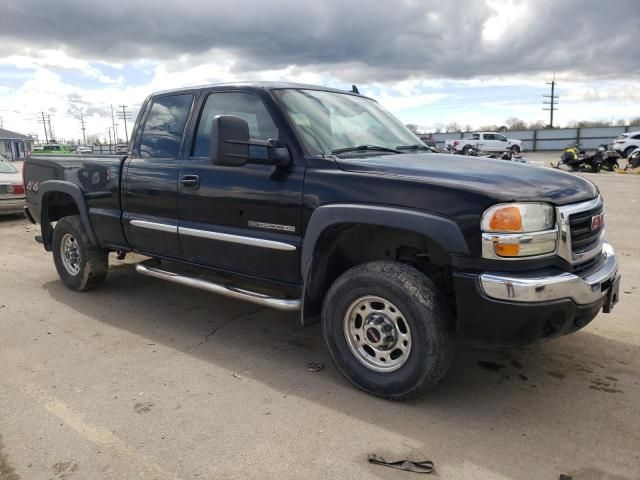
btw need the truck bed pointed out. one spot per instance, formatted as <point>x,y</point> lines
<point>96,176</point>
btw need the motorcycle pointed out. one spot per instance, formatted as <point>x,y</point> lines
<point>610,159</point>
<point>509,155</point>
<point>578,160</point>
<point>475,151</point>
<point>572,157</point>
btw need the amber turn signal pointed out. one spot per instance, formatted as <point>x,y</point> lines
<point>506,219</point>
<point>507,249</point>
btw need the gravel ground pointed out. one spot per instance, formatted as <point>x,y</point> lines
<point>149,380</point>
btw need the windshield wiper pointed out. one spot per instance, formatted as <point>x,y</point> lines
<point>364,148</point>
<point>414,147</point>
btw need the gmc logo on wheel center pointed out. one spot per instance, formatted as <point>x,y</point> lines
<point>597,221</point>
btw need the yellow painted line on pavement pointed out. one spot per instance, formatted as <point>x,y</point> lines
<point>98,435</point>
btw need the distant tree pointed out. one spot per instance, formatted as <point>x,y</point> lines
<point>537,125</point>
<point>621,122</point>
<point>635,122</point>
<point>488,128</point>
<point>413,127</point>
<point>594,123</point>
<point>515,123</point>
<point>467,128</point>
<point>438,130</point>
<point>453,127</point>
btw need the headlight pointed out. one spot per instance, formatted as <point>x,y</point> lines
<point>517,230</point>
<point>518,217</point>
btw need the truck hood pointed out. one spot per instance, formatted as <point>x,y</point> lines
<point>499,179</point>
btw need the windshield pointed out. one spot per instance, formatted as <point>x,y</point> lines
<point>6,167</point>
<point>328,121</point>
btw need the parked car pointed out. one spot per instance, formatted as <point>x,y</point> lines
<point>317,200</point>
<point>487,141</point>
<point>83,149</point>
<point>12,198</point>
<point>627,143</point>
<point>122,148</point>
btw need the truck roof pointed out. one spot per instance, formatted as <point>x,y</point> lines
<point>263,85</point>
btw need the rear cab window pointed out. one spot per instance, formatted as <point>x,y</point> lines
<point>164,126</point>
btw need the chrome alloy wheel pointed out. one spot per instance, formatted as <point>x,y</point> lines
<point>377,333</point>
<point>70,254</point>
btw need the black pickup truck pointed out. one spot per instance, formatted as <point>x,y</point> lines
<point>314,199</point>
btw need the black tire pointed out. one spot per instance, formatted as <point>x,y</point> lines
<point>92,262</point>
<point>465,149</point>
<point>515,149</point>
<point>427,318</point>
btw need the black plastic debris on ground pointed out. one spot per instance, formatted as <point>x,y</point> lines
<point>315,366</point>
<point>423,466</point>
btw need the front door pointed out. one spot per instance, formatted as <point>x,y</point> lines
<point>150,178</point>
<point>244,219</point>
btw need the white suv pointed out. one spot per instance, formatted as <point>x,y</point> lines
<point>627,143</point>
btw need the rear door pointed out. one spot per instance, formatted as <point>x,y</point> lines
<point>246,219</point>
<point>150,185</point>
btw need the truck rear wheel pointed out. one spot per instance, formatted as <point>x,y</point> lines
<point>388,329</point>
<point>80,265</point>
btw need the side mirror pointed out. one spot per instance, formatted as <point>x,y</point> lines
<point>229,141</point>
<point>231,145</point>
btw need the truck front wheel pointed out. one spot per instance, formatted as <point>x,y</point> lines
<point>80,265</point>
<point>388,329</point>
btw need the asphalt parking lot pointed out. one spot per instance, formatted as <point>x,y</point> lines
<point>144,379</point>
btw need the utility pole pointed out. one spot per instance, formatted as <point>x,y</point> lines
<point>125,115</point>
<point>1,123</point>
<point>553,100</point>
<point>52,136</point>
<point>109,139</point>
<point>44,125</point>
<point>113,122</point>
<point>84,138</point>
<point>115,134</point>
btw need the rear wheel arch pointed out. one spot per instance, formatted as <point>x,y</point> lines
<point>340,237</point>
<point>629,150</point>
<point>59,199</point>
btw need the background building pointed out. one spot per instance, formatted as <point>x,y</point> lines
<point>14,146</point>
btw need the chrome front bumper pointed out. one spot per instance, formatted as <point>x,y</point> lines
<point>548,285</point>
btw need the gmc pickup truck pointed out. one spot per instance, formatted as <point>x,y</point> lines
<point>317,200</point>
<point>487,141</point>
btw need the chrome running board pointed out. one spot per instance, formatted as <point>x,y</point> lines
<point>228,291</point>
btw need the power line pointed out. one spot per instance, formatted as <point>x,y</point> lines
<point>553,100</point>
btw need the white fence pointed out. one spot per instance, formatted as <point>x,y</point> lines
<point>549,139</point>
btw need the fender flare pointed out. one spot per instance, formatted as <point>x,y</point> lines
<point>442,230</point>
<point>74,192</point>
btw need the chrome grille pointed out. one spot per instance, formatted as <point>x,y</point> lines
<point>578,243</point>
<point>582,237</point>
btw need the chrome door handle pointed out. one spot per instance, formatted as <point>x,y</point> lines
<point>190,181</point>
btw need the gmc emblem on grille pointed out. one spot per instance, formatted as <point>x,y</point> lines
<point>597,221</point>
